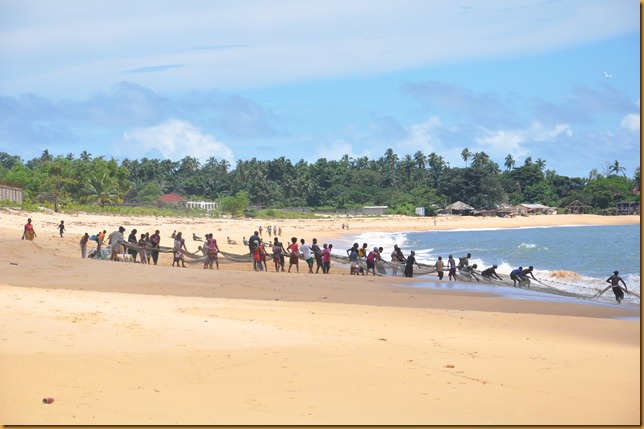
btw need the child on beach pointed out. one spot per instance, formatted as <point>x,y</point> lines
<point>257,258</point>
<point>179,246</point>
<point>142,254</point>
<point>61,228</point>
<point>212,251</point>
<point>326,258</point>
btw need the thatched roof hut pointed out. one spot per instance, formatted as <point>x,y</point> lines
<point>576,207</point>
<point>459,207</point>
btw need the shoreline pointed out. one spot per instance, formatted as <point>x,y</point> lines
<point>118,343</point>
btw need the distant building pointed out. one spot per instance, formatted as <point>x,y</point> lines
<point>10,192</point>
<point>203,205</point>
<point>182,202</point>
<point>172,199</point>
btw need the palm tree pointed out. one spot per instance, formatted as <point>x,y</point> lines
<point>101,190</point>
<point>46,156</point>
<point>407,166</point>
<point>509,162</point>
<point>616,168</point>
<point>85,156</point>
<point>419,157</point>
<point>541,163</point>
<point>466,154</point>
<point>390,158</point>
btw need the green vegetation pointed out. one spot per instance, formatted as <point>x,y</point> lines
<point>263,188</point>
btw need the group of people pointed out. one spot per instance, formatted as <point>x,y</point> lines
<point>359,256</point>
<point>312,254</point>
<point>146,247</point>
<point>274,230</point>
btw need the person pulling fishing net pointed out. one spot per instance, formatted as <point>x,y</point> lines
<point>617,289</point>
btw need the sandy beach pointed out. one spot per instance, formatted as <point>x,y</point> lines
<point>118,343</point>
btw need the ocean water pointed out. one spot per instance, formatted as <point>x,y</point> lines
<point>573,258</point>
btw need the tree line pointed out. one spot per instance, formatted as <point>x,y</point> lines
<point>400,182</point>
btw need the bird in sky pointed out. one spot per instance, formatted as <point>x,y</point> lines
<point>607,75</point>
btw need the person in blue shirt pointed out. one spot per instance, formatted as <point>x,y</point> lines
<point>517,276</point>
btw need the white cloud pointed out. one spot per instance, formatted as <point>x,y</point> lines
<point>174,139</point>
<point>537,131</point>
<point>422,136</point>
<point>337,149</point>
<point>514,141</point>
<point>503,141</point>
<point>631,122</point>
<point>249,44</point>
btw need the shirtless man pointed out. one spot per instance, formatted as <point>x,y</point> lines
<point>490,273</point>
<point>617,290</point>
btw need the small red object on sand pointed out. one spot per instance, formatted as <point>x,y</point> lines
<point>47,400</point>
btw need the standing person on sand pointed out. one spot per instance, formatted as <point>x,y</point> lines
<point>179,247</point>
<point>61,228</point>
<point>617,290</point>
<point>278,251</point>
<point>439,266</point>
<point>317,253</point>
<point>142,254</point>
<point>83,245</point>
<point>307,254</point>
<point>262,250</point>
<point>133,240</point>
<point>115,240</point>
<point>326,258</point>
<point>213,251</point>
<point>100,239</point>
<point>155,241</point>
<point>372,260</point>
<point>395,260</point>
<point>253,242</point>
<point>452,267</point>
<point>409,267</point>
<point>294,259</point>
<point>29,233</point>
<point>277,255</point>
<point>353,259</point>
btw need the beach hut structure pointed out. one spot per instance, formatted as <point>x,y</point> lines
<point>459,208</point>
<point>10,192</point>
<point>627,207</point>
<point>374,210</point>
<point>577,207</point>
<point>531,209</point>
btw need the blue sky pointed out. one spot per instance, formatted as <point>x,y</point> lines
<point>323,78</point>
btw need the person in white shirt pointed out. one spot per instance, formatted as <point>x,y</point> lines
<point>307,254</point>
